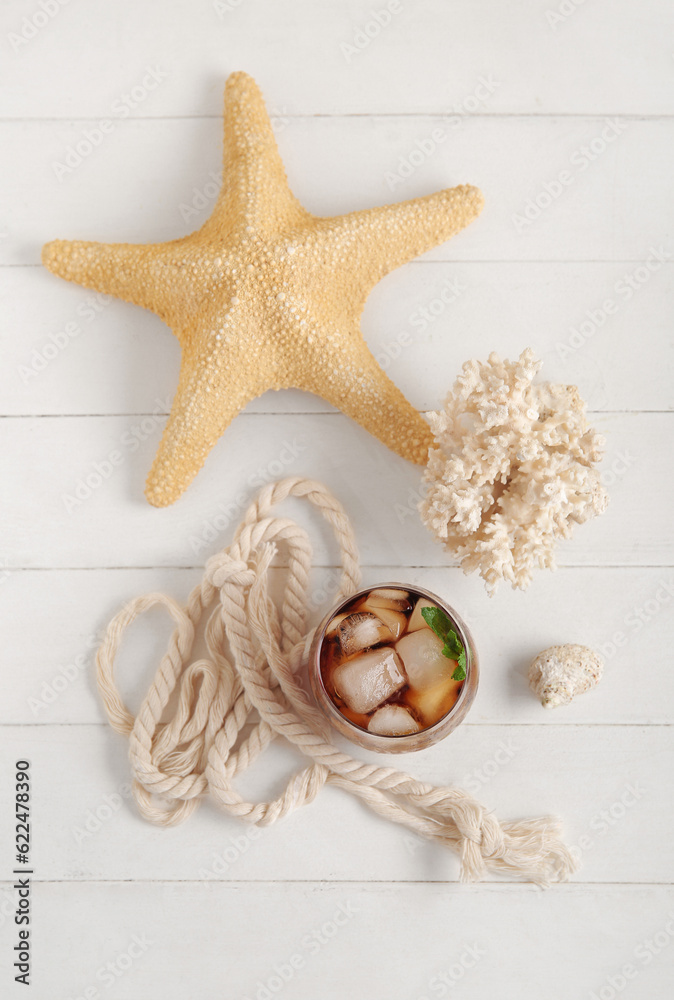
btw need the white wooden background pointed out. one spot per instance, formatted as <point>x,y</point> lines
<point>220,911</point>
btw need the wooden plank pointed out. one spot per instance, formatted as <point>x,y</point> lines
<point>607,783</point>
<point>536,103</point>
<point>624,613</point>
<point>546,57</point>
<point>338,165</point>
<point>79,501</point>
<point>487,940</point>
<point>68,351</point>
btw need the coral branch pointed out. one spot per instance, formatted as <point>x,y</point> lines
<point>512,471</point>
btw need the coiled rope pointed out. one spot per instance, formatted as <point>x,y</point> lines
<point>201,748</point>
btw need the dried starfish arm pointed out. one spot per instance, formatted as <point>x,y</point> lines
<point>146,275</point>
<point>380,239</point>
<point>205,403</point>
<point>353,382</point>
<point>254,178</point>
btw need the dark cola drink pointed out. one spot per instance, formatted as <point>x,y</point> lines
<point>394,662</point>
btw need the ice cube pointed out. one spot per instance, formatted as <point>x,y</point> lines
<point>434,702</point>
<point>360,631</point>
<point>425,665</point>
<point>369,679</point>
<point>389,598</point>
<point>393,720</point>
<point>334,624</point>
<point>395,621</point>
<point>416,621</point>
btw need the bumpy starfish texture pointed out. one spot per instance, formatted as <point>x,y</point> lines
<point>267,296</point>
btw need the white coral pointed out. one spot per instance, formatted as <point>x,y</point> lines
<point>513,470</point>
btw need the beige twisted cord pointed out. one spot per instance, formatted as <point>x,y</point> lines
<point>200,749</point>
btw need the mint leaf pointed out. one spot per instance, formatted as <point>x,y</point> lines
<point>453,644</point>
<point>460,672</point>
<point>437,620</point>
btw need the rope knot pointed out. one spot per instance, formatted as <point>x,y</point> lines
<point>492,841</point>
<point>223,568</point>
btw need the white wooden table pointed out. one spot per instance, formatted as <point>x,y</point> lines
<point>568,107</point>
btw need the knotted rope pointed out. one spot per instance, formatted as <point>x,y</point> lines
<point>201,749</point>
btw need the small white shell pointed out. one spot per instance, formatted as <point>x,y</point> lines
<point>559,673</point>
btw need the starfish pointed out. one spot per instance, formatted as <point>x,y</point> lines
<point>266,295</point>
